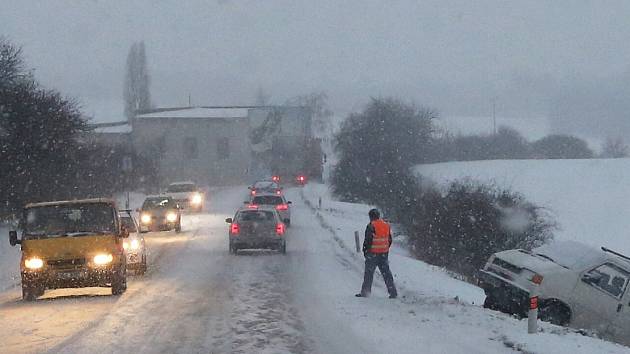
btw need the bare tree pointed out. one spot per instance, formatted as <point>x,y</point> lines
<point>322,114</point>
<point>615,148</point>
<point>136,91</point>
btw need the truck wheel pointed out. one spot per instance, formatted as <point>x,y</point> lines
<point>555,312</point>
<point>30,293</point>
<point>119,283</point>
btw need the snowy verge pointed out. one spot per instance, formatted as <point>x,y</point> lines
<point>436,311</point>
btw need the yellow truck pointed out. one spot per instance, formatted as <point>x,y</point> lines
<point>71,244</point>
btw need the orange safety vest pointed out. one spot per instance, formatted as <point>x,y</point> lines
<point>380,241</point>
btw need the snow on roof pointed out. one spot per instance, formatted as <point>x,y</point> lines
<point>120,129</point>
<point>199,112</point>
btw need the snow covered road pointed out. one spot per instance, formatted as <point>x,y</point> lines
<point>197,298</point>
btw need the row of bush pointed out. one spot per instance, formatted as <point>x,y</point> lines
<point>457,227</point>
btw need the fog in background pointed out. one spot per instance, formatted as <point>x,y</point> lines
<point>565,60</point>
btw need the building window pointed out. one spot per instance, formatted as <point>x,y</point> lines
<point>190,148</point>
<point>223,148</point>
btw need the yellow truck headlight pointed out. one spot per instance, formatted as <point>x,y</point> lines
<point>103,259</point>
<point>145,218</point>
<point>171,217</point>
<point>34,263</point>
<point>196,199</point>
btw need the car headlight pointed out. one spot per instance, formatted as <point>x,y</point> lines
<point>135,244</point>
<point>102,259</point>
<point>125,245</point>
<point>171,217</point>
<point>145,218</point>
<point>34,263</point>
<point>196,199</point>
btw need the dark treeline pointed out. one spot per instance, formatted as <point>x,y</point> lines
<point>506,144</point>
<point>42,153</point>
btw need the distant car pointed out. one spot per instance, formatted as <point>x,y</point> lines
<point>265,187</point>
<point>187,194</point>
<point>257,227</point>
<point>580,286</point>
<point>160,213</point>
<point>134,245</point>
<point>276,201</point>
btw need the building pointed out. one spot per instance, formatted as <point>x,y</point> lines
<point>214,145</point>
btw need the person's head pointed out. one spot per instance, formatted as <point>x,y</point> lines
<point>374,214</point>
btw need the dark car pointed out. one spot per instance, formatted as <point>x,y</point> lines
<point>265,187</point>
<point>160,213</point>
<point>257,227</point>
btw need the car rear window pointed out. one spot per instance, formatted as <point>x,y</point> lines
<point>255,215</point>
<point>267,200</point>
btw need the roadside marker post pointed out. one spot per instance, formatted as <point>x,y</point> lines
<point>532,315</point>
<point>356,241</point>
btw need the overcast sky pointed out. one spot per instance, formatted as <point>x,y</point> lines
<point>538,58</point>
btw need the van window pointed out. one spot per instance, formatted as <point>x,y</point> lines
<point>611,279</point>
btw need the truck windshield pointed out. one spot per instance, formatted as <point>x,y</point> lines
<point>69,220</point>
<point>179,188</point>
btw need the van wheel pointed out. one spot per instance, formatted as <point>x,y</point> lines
<point>30,293</point>
<point>555,312</point>
<point>119,283</point>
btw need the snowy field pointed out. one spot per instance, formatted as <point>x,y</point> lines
<point>589,198</point>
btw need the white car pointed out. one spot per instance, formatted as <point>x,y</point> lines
<point>134,245</point>
<point>580,286</point>
<point>187,195</point>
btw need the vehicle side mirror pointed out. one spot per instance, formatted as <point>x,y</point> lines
<point>13,238</point>
<point>289,202</point>
<point>250,188</point>
<point>124,232</point>
<point>229,220</point>
<point>246,202</point>
<point>286,221</point>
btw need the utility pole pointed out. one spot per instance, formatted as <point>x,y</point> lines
<point>494,115</point>
<point>189,101</point>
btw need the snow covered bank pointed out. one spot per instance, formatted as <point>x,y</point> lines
<point>590,198</point>
<point>435,312</point>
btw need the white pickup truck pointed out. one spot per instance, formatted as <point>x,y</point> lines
<point>187,195</point>
<point>580,286</point>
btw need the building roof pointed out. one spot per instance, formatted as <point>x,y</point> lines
<point>199,113</point>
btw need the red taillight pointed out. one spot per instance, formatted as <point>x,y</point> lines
<point>301,179</point>
<point>275,178</point>
<point>282,207</point>
<point>234,229</point>
<point>252,206</point>
<point>280,229</point>
<point>253,192</point>
<point>278,192</point>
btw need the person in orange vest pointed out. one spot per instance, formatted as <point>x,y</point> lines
<point>378,240</point>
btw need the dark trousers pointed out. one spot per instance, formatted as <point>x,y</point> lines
<point>373,260</point>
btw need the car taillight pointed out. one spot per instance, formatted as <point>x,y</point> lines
<point>234,229</point>
<point>301,179</point>
<point>252,206</point>
<point>254,192</point>
<point>275,178</point>
<point>282,207</point>
<point>280,229</point>
<point>278,192</point>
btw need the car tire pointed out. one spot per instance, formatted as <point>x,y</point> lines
<point>119,283</point>
<point>554,312</point>
<point>283,248</point>
<point>178,227</point>
<point>490,302</point>
<point>288,223</point>
<point>142,268</point>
